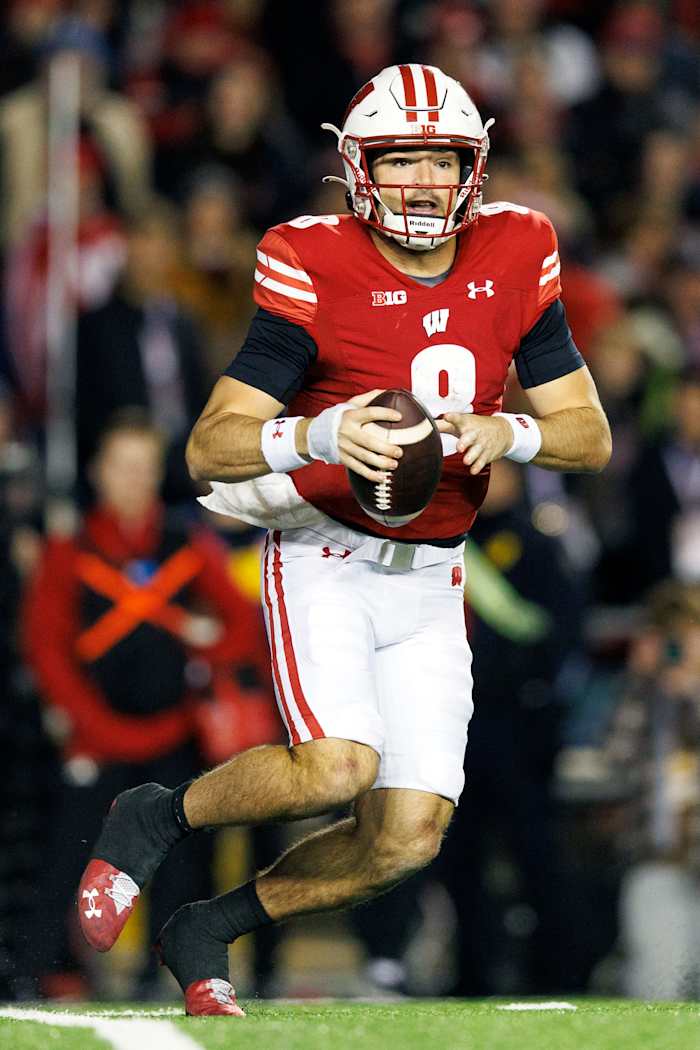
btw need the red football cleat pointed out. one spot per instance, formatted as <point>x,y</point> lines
<point>212,998</point>
<point>106,899</point>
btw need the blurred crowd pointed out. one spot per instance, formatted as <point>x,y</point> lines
<point>132,649</point>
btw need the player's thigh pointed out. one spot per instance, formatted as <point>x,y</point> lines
<point>321,643</point>
<point>425,694</point>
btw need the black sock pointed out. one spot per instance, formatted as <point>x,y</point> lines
<point>235,913</point>
<point>194,940</point>
<point>140,831</point>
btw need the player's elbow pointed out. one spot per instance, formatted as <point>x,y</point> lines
<point>193,457</point>
<point>601,449</point>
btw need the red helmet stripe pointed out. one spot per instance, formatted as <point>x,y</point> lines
<point>409,90</point>
<point>431,92</point>
<point>356,99</point>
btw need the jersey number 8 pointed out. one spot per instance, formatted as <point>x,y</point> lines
<point>443,377</point>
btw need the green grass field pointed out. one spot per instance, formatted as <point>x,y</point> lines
<point>411,1025</point>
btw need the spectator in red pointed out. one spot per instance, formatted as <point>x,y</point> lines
<point>128,627</point>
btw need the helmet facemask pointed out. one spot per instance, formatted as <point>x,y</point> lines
<point>415,230</point>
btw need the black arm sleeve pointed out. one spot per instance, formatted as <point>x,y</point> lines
<point>547,351</point>
<point>274,356</point>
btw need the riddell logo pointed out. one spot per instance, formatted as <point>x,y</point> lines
<point>397,298</point>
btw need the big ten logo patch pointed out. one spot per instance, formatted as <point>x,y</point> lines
<point>397,298</point>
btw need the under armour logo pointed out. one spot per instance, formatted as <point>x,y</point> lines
<point>457,576</point>
<point>474,290</point>
<point>278,431</point>
<point>92,911</point>
<point>523,422</point>
<point>328,553</point>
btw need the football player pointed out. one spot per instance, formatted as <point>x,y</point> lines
<point>418,287</point>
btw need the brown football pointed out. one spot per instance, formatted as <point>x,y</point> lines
<point>408,490</point>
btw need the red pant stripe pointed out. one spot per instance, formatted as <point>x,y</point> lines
<point>305,711</point>
<point>289,722</point>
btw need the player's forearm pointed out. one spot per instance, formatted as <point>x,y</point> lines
<point>574,439</point>
<point>228,448</point>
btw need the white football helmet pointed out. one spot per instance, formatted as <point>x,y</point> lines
<point>412,106</point>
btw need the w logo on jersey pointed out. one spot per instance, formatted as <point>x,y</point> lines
<point>486,288</point>
<point>436,321</point>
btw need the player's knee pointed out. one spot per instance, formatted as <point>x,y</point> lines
<point>400,851</point>
<point>337,771</point>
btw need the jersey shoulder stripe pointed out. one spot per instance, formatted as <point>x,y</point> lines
<point>532,252</point>
<point>551,268</point>
<point>292,291</point>
<point>281,267</point>
<point>282,284</point>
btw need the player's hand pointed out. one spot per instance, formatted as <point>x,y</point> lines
<point>482,439</point>
<point>361,448</point>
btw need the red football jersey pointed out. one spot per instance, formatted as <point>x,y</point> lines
<point>450,344</point>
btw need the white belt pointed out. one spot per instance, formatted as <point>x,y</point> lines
<point>381,551</point>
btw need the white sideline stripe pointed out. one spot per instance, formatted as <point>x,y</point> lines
<point>280,267</point>
<point>285,289</point>
<point>538,1006</point>
<point>120,1034</point>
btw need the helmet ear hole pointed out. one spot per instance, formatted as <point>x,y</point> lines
<point>348,201</point>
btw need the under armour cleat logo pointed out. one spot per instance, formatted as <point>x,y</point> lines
<point>92,911</point>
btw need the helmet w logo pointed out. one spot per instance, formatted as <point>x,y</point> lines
<point>474,289</point>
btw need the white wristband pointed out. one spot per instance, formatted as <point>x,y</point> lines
<point>277,443</point>
<point>527,437</point>
<point>322,435</point>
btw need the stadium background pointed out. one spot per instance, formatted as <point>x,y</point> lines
<point>132,221</point>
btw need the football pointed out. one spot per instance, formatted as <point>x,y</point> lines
<point>406,491</point>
